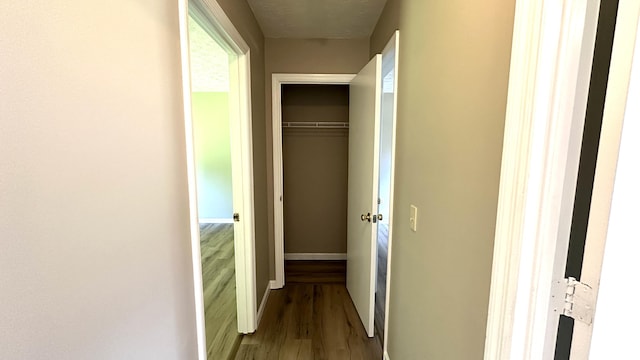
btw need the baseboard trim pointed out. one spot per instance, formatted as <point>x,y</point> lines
<point>315,256</point>
<point>215,221</point>
<point>265,298</point>
<point>386,356</point>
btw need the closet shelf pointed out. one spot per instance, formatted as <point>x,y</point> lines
<point>315,125</point>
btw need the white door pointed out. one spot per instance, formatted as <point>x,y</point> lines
<point>611,250</point>
<point>364,139</point>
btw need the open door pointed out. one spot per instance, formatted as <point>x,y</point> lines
<point>611,251</point>
<point>364,140</point>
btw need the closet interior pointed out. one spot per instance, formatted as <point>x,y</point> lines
<point>315,137</point>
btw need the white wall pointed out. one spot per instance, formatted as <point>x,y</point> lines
<point>94,231</point>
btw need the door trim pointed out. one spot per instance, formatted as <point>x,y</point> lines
<point>277,80</point>
<point>242,152</point>
<point>392,45</point>
<point>548,86</point>
<point>626,47</point>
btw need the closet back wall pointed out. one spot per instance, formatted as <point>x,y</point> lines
<point>315,169</point>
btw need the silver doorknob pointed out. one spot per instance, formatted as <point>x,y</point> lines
<point>379,216</point>
<point>367,217</point>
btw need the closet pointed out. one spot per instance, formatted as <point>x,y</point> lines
<point>315,146</point>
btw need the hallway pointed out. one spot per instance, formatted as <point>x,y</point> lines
<point>312,317</point>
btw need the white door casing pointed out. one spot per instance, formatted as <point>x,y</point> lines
<point>550,63</point>
<point>392,49</point>
<point>364,140</point>
<point>277,81</point>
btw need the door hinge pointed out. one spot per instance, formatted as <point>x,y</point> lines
<point>236,217</point>
<point>574,299</point>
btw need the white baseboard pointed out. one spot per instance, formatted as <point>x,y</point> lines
<point>215,221</point>
<point>386,356</point>
<point>315,256</point>
<point>265,298</point>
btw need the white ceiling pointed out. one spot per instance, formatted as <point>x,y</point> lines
<point>317,19</point>
<point>209,62</point>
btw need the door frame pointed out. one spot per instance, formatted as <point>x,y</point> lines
<point>277,80</point>
<point>604,218</point>
<point>552,52</point>
<point>392,45</point>
<point>242,153</point>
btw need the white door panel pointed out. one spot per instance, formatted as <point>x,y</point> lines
<point>364,136</point>
<point>611,250</point>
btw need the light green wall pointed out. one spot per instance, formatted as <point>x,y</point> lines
<point>213,154</point>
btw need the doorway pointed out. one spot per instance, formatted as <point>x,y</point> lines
<point>371,159</point>
<point>278,81</point>
<point>216,91</point>
<point>210,103</point>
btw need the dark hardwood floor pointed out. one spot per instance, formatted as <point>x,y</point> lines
<point>311,318</point>
<point>315,272</point>
<point>381,279</point>
<point>219,286</point>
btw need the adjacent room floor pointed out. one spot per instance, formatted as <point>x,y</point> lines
<point>381,279</point>
<point>219,280</point>
<point>312,317</point>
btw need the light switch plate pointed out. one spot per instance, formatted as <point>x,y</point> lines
<point>413,218</point>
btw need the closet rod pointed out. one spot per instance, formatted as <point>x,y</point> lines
<point>315,125</point>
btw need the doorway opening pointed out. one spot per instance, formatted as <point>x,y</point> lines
<point>216,91</point>
<point>279,81</point>
<point>369,187</point>
<point>315,151</point>
<point>210,103</point>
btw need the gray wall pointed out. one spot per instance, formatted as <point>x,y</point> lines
<point>315,170</point>
<point>94,221</point>
<point>304,56</point>
<point>453,74</point>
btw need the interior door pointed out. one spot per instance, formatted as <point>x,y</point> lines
<point>611,250</point>
<point>364,136</point>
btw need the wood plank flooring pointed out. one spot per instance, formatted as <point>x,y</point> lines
<point>315,272</point>
<point>381,279</point>
<point>311,318</point>
<point>219,285</point>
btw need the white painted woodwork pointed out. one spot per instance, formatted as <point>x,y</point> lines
<point>277,80</point>
<point>550,63</point>
<point>364,140</point>
<point>611,250</point>
<point>391,58</point>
